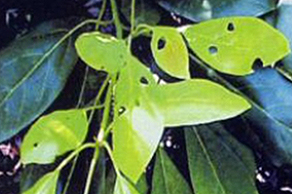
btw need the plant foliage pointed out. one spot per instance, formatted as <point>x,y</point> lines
<point>137,107</point>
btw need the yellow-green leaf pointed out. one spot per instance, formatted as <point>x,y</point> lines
<point>139,126</point>
<point>46,185</point>
<point>53,135</point>
<point>136,136</point>
<point>102,51</point>
<point>170,52</point>
<point>232,45</point>
<point>122,186</point>
<point>196,101</point>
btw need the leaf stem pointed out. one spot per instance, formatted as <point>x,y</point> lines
<point>117,21</point>
<point>102,10</point>
<point>82,87</point>
<point>100,136</point>
<point>109,151</point>
<point>92,168</point>
<point>73,154</point>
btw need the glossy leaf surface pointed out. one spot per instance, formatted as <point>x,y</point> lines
<point>220,44</point>
<point>170,52</point>
<point>166,177</point>
<point>138,129</point>
<point>204,10</point>
<point>54,135</point>
<point>269,93</point>
<point>101,51</point>
<point>122,186</point>
<point>46,185</point>
<point>30,77</point>
<point>196,101</point>
<point>282,22</point>
<point>218,162</point>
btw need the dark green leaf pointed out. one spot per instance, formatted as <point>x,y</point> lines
<point>166,177</point>
<point>196,101</point>
<point>269,119</point>
<point>218,162</point>
<point>28,85</point>
<point>282,22</point>
<point>145,12</point>
<point>46,185</point>
<point>102,51</point>
<point>54,135</point>
<point>142,185</point>
<point>204,10</point>
<point>170,52</point>
<point>220,44</point>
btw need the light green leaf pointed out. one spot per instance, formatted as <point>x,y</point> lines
<point>54,135</point>
<point>122,186</point>
<point>170,52</point>
<point>136,136</point>
<point>218,162</point>
<point>102,51</point>
<point>46,185</point>
<point>196,101</point>
<point>166,177</point>
<point>133,80</point>
<point>139,126</point>
<point>232,45</point>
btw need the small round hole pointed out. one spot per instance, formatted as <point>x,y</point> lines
<point>213,50</point>
<point>122,110</point>
<point>230,27</point>
<point>161,43</point>
<point>143,80</point>
<point>35,145</point>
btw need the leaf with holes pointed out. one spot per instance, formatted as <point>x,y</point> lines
<point>133,80</point>
<point>232,45</point>
<point>204,10</point>
<point>122,186</point>
<point>32,75</point>
<point>196,101</point>
<point>46,185</point>
<point>218,162</point>
<point>136,134</point>
<point>166,177</point>
<point>139,127</point>
<point>54,135</point>
<point>102,51</point>
<point>170,52</point>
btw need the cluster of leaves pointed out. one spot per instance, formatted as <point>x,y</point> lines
<point>137,107</point>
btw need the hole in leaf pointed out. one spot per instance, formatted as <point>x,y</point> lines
<point>143,80</point>
<point>137,103</point>
<point>257,64</point>
<point>230,27</point>
<point>35,145</point>
<point>161,43</point>
<point>213,50</point>
<point>122,110</point>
